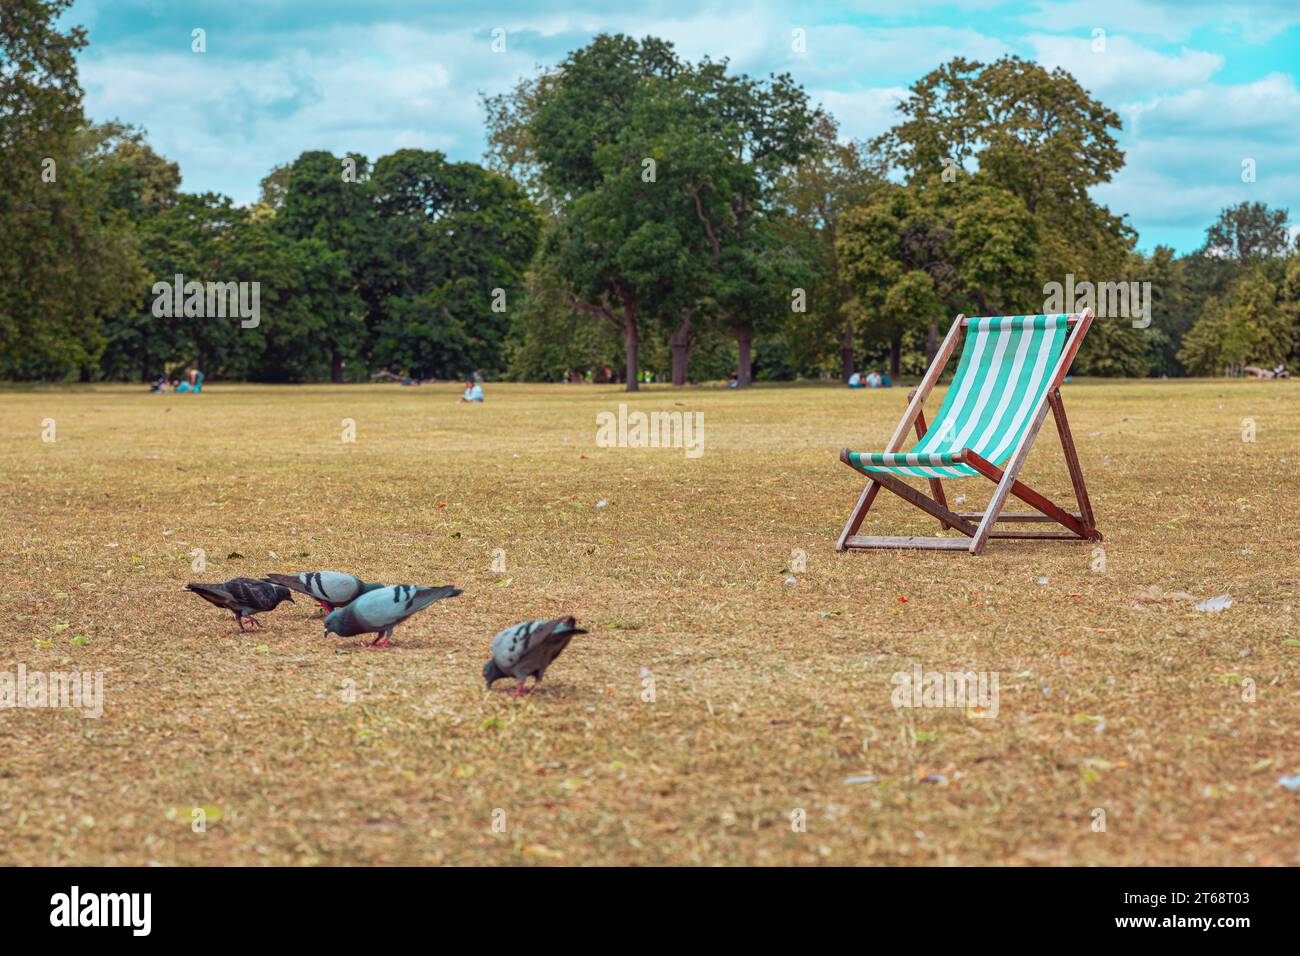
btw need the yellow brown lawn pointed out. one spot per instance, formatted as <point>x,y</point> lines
<point>715,714</point>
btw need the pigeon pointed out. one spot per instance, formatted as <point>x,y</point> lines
<point>244,597</point>
<point>382,610</point>
<point>528,648</point>
<point>330,589</point>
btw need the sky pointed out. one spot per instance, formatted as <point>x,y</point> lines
<point>1201,86</point>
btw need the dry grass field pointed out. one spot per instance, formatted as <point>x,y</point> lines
<point>710,702</point>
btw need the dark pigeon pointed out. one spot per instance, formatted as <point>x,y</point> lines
<point>528,649</point>
<point>329,589</point>
<point>243,597</point>
<point>381,610</point>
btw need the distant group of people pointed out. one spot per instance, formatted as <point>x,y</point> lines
<point>872,379</point>
<point>473,385</point>
<point>383,375</point>
<point>598,375</point>
<point>1278,371</point>
<point>192,382</point>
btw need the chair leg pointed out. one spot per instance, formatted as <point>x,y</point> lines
<point>999,499</point>
<point>1072,460</point>
<point>858,513</point>
<point>1049,509</point>
<point>936,486</point>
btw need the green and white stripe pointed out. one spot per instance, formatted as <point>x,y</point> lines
<point>1005,367</point>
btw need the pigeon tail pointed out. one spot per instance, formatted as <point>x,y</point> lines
<point>289,581</point>
<point>210,592</point>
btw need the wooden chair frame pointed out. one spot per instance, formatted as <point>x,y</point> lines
<point>1080,525</point>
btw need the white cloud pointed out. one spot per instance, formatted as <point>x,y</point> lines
<point>1267,110</point>
<point>1184,153</point>
<point>342,78</point>
<point>1255,21</point>
<point>224,125</point>
<point>865,113</point>
<point>1124,69</point>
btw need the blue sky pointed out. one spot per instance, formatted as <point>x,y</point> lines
<point>1200,85</point>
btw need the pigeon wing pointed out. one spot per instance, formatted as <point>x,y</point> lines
<point>388,607</point>
<point>511,644</point>
<point>294,582</point>
<point>337,587</point>
<point>547,643</point>
<point>252,594</point>
<point>334,587</point>
<point>423,597</point>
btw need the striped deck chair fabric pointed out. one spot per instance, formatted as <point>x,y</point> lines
<point>1005,367</point>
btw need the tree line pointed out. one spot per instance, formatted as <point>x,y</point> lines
<point>635,211</point>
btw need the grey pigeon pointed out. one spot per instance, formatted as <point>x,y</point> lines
<point>329,589</point>
<point>528,649</point>
<point>381,610</point>
<point>243,597</point>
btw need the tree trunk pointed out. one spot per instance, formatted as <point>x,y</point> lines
<point>745,375</point>
<point>681,343</point>
<point>895,358</point>
<point>846,352</point>
<point>931,344</point>
<point>336,369</point>
<point>630,342</point>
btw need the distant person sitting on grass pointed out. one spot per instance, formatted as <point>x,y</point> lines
<point>855,380</point>
<point>180,386</point>
<point>159,385</point>
<point>884,380</point>
<point>196,380</point>
<point>873,379</point>
<point>473,392</point>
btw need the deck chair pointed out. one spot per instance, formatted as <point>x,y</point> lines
<point>1008,376</point>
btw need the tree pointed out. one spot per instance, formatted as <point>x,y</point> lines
<point>654,168</point>
<point>453,242</point>
<point>135,179</point>
<point>1246,325</point>
<point>275,186</point>
<point>743,135</point>
<point>1035,133</point>
<point>914,256</point>
<point>66,256</point>
<point>549,337</point>
<point>815,194</point>
<point>607,245</point>
<point>137,186</point>
<point>1248,232</point>
<point>326,199</point>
